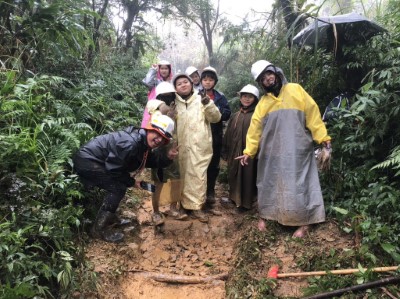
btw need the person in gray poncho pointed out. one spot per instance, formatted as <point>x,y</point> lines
<point>281,133</point>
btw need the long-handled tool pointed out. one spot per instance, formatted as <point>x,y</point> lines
<point>273,272</point>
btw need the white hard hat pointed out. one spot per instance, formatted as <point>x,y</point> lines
<point>258,67</point>
<point>210,69</point>
<point>163,124</point>
<point>190,70</point>
<point>164,62</point>
<point>177,76</point>
<point>250,89</point>
<point>164,87</point>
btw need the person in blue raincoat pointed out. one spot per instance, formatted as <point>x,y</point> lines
<point>209,79</point>
<point>282,130</point>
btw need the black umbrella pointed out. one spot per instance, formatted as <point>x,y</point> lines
<point>335,31</point>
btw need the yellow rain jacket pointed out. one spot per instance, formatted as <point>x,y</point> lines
<point>282,131</point>
<point>195,147</point>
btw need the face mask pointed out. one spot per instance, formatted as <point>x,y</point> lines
<point>167,99</point>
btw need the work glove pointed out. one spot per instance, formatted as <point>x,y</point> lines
<point>324,156</point>
<point>164,108</point>
<point>172,113</point>
<point>205,100</point>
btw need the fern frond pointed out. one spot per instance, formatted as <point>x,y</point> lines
<point>393,161</point>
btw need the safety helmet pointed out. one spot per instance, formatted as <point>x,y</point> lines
<point>177,76</point>
<point>164,62</point>
<point>164,87</point>
<point>208,70</point>
<point>258,67</point>
<point>190,70</point>
<point>250,89</point>
<point>162,124</point>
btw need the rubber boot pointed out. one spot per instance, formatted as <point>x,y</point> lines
<point>200,215</point>
<point>116,221</point>
<point>99,230</point>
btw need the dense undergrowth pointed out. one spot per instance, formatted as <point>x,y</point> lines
<point>52,105</point>
<point>44,119</point>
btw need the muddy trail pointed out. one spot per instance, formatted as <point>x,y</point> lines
<point>190,259</point>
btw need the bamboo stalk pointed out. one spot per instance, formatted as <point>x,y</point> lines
<point>342,271</point>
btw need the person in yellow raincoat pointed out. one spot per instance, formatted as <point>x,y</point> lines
<point>194,115</point>
<point>164,104</point>
<point>282,129</point>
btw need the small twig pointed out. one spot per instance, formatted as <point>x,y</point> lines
<point>173,278</point>
<point>388,293</point>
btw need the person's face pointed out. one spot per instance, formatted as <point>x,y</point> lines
<point>195,78</point>
<point>154,139</point>
<point>164,71</point>
<point>247,99</point>
<point>268,78</point>
<point>183,86</point>
<point>208,83</point>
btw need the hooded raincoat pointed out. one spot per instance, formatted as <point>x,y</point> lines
<point>241,179</point>
<point>195,147</point>
<point>152,79</point>
<point>282,131</point>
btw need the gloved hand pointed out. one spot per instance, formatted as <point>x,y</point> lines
<point>164,108</point>
<point>172,111</point>
<point>327,144</point>
<point>173,151</point>
<point>205,100</point>
<point>324,156</point>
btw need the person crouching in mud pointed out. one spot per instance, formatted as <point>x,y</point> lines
<point>112,161</point>
<point>282,129</point>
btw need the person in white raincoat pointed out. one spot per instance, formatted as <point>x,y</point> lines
<point>194,115</point>
<point>282,130</point>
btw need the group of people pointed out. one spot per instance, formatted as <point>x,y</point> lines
<point>199,111</point>
<point>268,145</point>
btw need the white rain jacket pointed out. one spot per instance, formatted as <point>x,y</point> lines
<point>195,147</point>
<point>282,131</point>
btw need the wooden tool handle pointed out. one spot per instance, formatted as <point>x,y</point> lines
<point>343,271</point>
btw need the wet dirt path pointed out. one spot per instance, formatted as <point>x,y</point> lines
<point>195,258</point>
<point>188,249</point>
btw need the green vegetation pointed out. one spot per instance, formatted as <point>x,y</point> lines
<point>67,75</point>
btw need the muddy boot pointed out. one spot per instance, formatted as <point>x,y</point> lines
<point>116,221</point>
<point>200,215</point>
<point>157,219</point>
<point>173,211</point>
<point>99,230</point>
<point>182,215</point>
<point>210,199</point>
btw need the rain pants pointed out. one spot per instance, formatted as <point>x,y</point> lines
<point>195,147</point>
<point>282,131</point>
